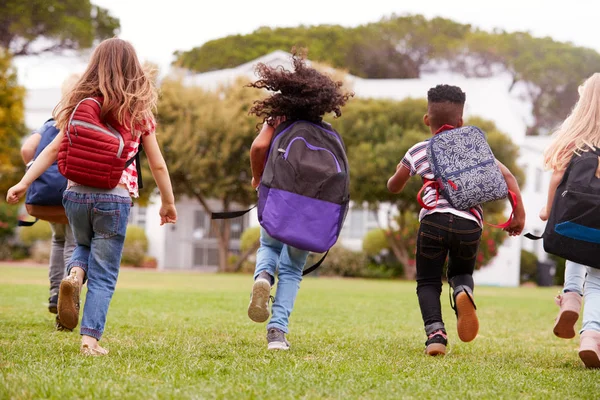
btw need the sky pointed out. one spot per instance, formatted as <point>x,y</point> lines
<point>160,27</point>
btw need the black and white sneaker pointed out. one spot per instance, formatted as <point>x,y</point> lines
<point>276,340</point>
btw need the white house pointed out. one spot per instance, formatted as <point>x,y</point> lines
<point>189,245</point>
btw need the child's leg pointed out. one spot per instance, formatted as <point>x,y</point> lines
<point>77,207</point>
<point>109,222</point>
<point>291,265</point>
<point>574,277</point>
<point>430,258</point>
<point>465,238</point>
<point>589,350</point>
<point>570,300</point>
<point>267,258</point>
<point>56,271</point>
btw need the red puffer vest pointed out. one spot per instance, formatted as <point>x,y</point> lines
<point>92,152</point>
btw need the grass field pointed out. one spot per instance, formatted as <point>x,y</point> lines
<point>186,335</point>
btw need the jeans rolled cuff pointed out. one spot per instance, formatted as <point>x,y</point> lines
<point>91,332</point>
<point>436,326</point>
<point>282,328</point>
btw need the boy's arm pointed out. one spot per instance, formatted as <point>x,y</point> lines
<point>518,223</point>
<point>554,182</point>
<point>258,152</point>
<point>397,182</point>
<point>29,147</point>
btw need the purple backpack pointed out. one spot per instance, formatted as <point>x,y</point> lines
<point>304,191</point>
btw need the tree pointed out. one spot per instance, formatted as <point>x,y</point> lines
<point>11,123</point>
<point>378,133</point>
<point>37,26</point>
<point>206,138</point>
<point>545,71</point>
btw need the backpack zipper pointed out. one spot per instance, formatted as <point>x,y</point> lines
<point>112,132</point>
<point>311,147</point>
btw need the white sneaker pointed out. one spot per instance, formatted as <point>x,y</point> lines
<point>258,310</point>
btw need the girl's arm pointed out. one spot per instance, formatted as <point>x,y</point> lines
<point>258,152</point>
<point>168,212</point>
<point>554,182</point>
<point>41,164</point>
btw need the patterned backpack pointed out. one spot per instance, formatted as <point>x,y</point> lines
<point>465,170</point>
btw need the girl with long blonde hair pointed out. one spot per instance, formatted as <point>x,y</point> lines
<point>579,133</point>
<point>98,216</point>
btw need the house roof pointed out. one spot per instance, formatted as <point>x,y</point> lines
<point>488,98</point>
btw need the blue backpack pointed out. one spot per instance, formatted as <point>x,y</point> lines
<point>465,169</point>
<point>44,197</point>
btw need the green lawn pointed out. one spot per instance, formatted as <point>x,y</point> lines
<point>186,335</point>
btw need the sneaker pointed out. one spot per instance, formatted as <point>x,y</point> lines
<point>436,343</point>
<point>68,302</point>
<point>53,304</point>
<point>570,306</point>
<point>258,310</point>
<point>467,323</point>
<point>276,340</point>
<point>589,349</point>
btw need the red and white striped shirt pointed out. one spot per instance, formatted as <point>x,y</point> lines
<point>130,175</point>
<point>416,162</point>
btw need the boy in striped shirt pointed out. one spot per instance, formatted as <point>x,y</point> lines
<point>446,232</point>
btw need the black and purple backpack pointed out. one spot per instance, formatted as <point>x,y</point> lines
<point>304,192</point>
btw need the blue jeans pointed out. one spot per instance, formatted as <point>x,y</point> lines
<point>99,223</point>
<point>574,277</point>
<point>271,255</point>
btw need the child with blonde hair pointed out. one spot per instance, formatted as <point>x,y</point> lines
<point>576,138</point>
<point>112,101</point>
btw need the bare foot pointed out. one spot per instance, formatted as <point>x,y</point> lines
<point>90,347</point>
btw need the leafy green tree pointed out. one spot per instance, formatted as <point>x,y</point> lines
<point>206,138</point>
<point>12,127</point>
<point>63,25</point>
<point>405,46</point>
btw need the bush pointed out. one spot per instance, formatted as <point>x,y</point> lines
<point>41,231</point>
<point>528,266</point>
<point>8,220</point>
<point>136,246</point>
<point>249,237</point>
<point>374,242</point>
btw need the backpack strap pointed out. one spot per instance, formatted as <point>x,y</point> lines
<point>138,166</point>
<point>316,265</point>
<point>427,183</point>
<point>230,214</point>
<point>531,236</point>
<point>26,223</point>
<point>512,198</point>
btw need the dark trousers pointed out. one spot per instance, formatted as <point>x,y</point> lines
<point>442,236</point>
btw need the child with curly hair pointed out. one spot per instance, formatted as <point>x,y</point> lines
<point>300,99</point>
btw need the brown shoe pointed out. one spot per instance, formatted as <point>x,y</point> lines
<point>68,302</point>
<point>589,349</point>
<point>570,306</point>
<point>467,323</point>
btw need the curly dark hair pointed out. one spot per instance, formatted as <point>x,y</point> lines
<point>445,105</point>
<point>304,93</point>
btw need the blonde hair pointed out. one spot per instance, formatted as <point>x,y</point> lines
<point>115,74</point>
<point>580,132</point>
<point>69,83</point>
